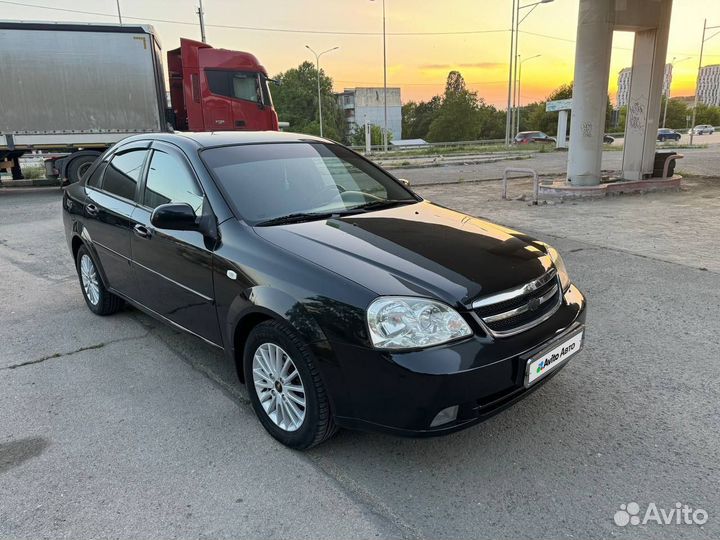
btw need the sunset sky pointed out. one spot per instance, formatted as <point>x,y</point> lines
<point>416,63</point>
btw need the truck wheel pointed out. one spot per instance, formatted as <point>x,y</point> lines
<point>78,167</point>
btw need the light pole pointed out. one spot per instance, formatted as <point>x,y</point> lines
<point>119,14</point>
<point>385,127</point>
<point>667,92</point>
<point>519,81</point>
<point>697,82</point>
<point>514,33</point>
<point>201,16</point>
<point>317,68</point>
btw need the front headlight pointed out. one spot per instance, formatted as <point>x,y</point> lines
<point>406,322</point>
<point>560,267</point>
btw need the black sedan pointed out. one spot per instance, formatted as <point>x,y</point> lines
<point>343,298</point>
<point>666,134</point>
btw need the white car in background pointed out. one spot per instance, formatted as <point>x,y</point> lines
<point>702,130</point>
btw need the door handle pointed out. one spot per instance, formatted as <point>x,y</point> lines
<point>142,231</point>
<point>91,209</point>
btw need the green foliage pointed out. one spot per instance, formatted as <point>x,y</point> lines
<point>357,137</point>
<point>296,101</point>
<point>677,113</point>
<point>458,117</point>
<point>417,117</point>
<point>707,114</point>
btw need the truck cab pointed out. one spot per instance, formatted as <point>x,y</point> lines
<point>218,90</point>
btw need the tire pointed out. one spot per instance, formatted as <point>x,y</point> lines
<point>79,166</point>
<point>97,297</point>
<point>269,345</point>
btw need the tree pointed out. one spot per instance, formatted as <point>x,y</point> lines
<point>417,117</point>
<point>357,137</point>
<point>677,113</point>
<point>707,114</point>
<point>458,118</point>
<point>296,102</point>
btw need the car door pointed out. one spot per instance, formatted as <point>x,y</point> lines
<point>111,193</point>
<point>173,269</point>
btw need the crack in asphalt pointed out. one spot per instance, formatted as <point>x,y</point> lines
<point>70,353</point>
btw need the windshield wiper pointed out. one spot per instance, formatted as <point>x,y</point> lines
<point>385,203</point>
<point>299,217</point>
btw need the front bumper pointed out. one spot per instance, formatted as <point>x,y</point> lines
<point>401,393</point>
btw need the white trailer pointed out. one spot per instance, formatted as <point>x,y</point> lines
<point>76,89</point>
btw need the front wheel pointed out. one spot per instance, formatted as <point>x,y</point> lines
<point>285,388</point>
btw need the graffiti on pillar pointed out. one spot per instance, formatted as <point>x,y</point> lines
<point>587,129</point>
<point>636,115</point>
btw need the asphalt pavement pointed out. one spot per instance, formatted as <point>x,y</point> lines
<point>121,427</point>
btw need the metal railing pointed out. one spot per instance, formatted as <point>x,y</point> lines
<point>668,160</point>
<point>524,172</point>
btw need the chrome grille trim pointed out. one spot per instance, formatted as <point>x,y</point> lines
<point>522,309</point>
<point>517,291</point>
<point>492,322</point>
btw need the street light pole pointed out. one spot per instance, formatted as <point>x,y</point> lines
<point>385,126</point>
<point>118,8</point>
<point>517,21</point>
<point>201,16</point>
<point>317,68</point>
<point>519,81</point>
<point>667,92</point>
<point>697,82</point>
<point>508,114</point>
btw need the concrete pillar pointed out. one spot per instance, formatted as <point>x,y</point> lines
<point>644,104</point>
<point>596,20</point>
<point>562,130</point>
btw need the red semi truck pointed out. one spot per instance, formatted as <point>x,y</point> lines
<point>76,89</point>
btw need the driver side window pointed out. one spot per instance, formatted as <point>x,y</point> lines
<point>170,180</point>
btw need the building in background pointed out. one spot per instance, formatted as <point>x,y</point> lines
<point>709,85</point>
<point>365,105</point>
<point>624,78</point>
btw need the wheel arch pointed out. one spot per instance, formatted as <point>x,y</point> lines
<point>261,304</point>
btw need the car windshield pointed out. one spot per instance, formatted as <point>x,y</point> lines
<point>286,182</point>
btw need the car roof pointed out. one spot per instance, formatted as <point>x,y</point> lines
<point>529,132</point>
<point>210,139</point>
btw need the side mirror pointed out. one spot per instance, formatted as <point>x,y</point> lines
<point>175,216</point>
<point>404,182</point>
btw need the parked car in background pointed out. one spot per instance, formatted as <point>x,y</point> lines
<point>527,137</point>
<point>343,298</point>
<point>703,129</point>
<point>667,134</point>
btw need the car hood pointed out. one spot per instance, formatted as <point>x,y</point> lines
<point>419,249</point>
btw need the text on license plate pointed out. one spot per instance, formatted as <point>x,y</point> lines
<point>553,358</point>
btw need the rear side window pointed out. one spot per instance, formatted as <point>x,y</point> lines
<point>170,180</point>
<point>96,176</point>
<point>123,173</point>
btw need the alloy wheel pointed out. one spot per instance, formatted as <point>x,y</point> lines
<point>89,277</point>
<point>278,386</point>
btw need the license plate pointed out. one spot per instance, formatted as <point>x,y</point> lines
<point>548,360</point>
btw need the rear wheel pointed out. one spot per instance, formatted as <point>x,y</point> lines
<point>285,388</point>
<point>78,167</point>
<point>97,297</point>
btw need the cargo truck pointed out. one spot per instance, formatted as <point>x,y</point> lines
<point>76,89</point>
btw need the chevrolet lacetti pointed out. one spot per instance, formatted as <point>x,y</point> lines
<point>343,298</point>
